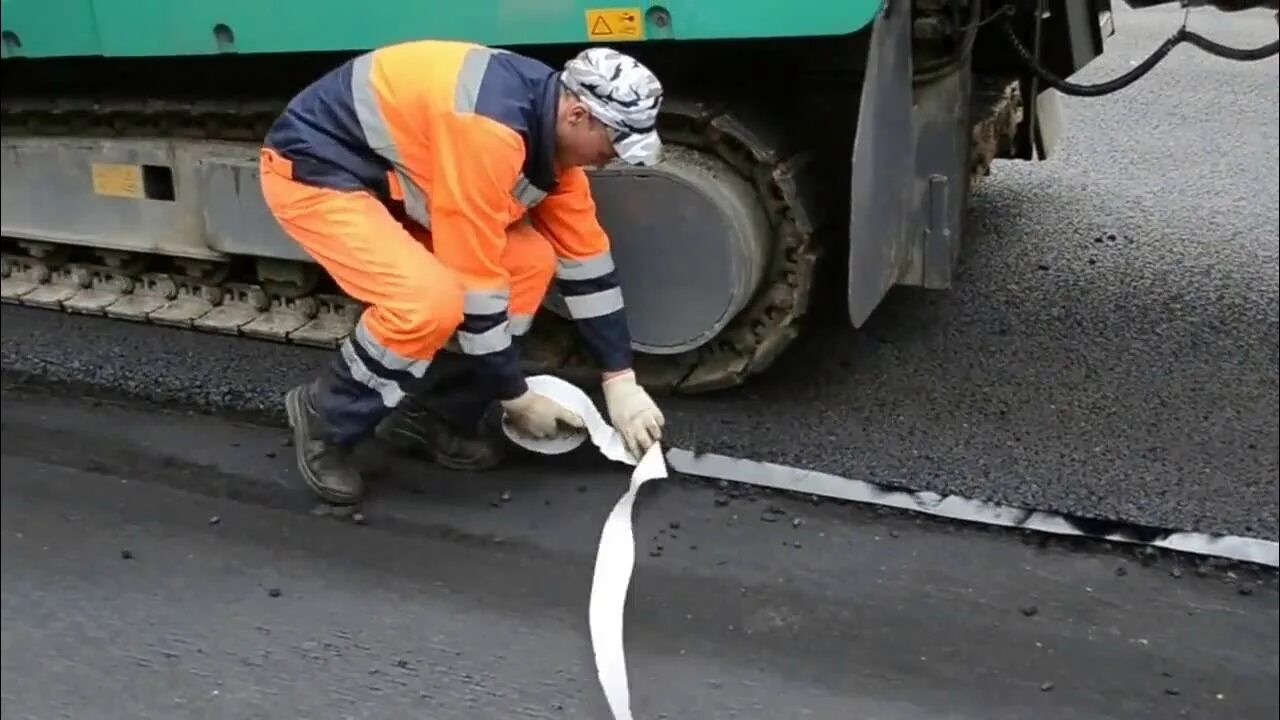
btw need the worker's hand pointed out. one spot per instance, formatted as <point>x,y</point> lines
<point>633,413</point>
<point>539,416</point>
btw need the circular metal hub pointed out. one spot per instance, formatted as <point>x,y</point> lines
<point>691,242</point>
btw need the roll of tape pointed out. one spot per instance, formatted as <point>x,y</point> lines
<point>616,552</point>
<point>568,396</point>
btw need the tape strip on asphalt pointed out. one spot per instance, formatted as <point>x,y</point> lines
<point>954,507</point>
<point>616,554</point>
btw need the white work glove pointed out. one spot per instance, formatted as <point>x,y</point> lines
<point>539,416</point>
<point>633,413</point>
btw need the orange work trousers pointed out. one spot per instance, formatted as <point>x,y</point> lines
<point>414,301</point>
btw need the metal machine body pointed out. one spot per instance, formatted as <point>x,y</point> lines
<point>803,136</point>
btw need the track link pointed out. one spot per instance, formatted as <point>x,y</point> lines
<point>170,291</point>
<point>48,276</point>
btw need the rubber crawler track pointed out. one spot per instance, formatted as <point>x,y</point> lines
<point>220,298</point>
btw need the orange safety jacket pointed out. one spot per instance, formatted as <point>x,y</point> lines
<point>460,139</point>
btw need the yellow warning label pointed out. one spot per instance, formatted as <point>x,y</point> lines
<point>117,180</point>
<point>615,24</point>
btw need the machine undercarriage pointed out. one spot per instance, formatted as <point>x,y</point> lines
<point>131,189</point>
<point>146,208</point>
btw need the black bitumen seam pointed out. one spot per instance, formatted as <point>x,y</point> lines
<point>954,507</point>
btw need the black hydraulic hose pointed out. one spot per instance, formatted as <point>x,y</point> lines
<point>1229,53</point>
<point>1119,83</point>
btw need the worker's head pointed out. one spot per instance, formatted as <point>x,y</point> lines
<point>608,108</point>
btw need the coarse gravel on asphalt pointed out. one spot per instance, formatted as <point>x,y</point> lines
<point>1110,348</point>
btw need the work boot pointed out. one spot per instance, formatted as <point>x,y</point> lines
<point>325,467</point>
<point>419,430</point>
<point>442,420</point>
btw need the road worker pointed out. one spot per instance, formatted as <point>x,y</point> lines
<point>442,185</point>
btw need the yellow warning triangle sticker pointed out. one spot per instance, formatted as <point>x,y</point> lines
<point>601,27</point>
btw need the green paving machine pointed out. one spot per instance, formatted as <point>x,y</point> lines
<point>809,141</point>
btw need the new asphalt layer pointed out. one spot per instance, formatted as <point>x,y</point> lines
<point>160,564</point>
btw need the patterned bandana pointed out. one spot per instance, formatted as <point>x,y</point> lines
<point>622,94</point>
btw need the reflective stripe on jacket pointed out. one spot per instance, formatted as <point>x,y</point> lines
<point>460,139</point>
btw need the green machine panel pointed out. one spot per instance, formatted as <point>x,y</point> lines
<point>56,27</point>
<point>49,28</point>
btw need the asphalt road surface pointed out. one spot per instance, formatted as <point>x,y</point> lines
<point>164,565</point>
<point>1110,349</point>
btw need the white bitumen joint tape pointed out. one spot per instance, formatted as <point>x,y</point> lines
<point>616,555</point>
